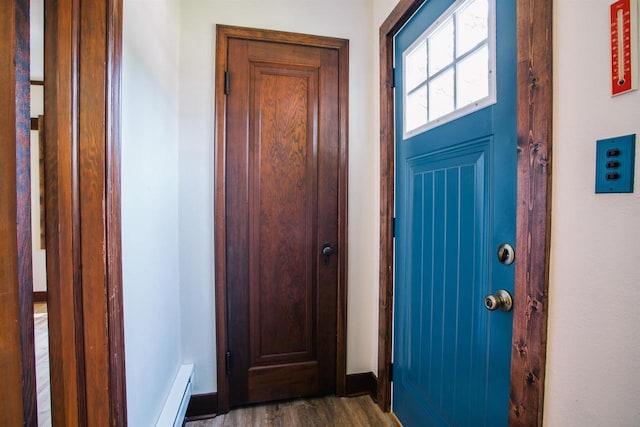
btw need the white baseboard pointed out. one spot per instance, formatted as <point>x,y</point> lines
<point>175,407</point>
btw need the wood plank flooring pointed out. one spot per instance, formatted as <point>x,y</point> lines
<point>319,412</point>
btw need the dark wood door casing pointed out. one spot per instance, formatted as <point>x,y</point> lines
<point>82,68</point>
<point>17,358</point>
<point>83,41</point>
<point>248,211</point>
<point>534,29</point>
<point>68,404</point>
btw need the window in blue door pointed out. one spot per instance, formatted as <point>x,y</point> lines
<point>449,71</point>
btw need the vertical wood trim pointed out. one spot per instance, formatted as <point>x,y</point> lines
<point>17,360</point>
<point>66,352</point>
<point>387,167</point>
<point>115,310</point>
<point>92,178</point>
<point>535,112</point>
<point>533,212</point>
<point>343,215</point>
<point>398,17</point>
<point>23,224</point>
<point>220,219</point>
<point>82,106</point>
<point>98,163</point>
<point>223,33</point>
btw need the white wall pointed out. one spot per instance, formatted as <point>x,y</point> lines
<point>337,18</point>
<point>36,63</point>
<point>39,255</point>
<point>36,47</point>
<point>150,204</point>
<point>593,367</point>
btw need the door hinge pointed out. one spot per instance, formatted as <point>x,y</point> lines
<point>393,227</point>
<point>227,83</point>
<point>228,362</point>
<point>393,77</point>
<point>390,372</point>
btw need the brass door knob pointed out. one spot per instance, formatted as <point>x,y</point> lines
<point>500,300</point>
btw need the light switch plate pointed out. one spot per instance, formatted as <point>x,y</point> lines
<point>615,164</point>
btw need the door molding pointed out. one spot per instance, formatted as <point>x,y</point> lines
<point>534,112</point>
<point>17,358</point>
<point>83,41</point>
<point>223,34</point>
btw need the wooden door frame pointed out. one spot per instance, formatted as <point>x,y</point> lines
<point>83,45</point>
<point>534,111</point>
<point>17,359</point>
<point>223,34</point>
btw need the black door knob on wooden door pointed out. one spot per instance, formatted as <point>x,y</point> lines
<point>327,251</point>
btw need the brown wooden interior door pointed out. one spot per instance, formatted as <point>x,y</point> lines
<point>281,209</point>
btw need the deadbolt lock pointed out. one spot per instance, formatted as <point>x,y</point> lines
<point>506,254</point>
<point>500,300</point>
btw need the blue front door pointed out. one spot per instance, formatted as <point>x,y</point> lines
<point>455,206</point>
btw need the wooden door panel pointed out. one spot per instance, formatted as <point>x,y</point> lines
<point>283,214</point>
<point>281,207</point>
<point>278,383</point>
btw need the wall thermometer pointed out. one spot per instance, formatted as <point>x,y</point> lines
<point>624,46</point>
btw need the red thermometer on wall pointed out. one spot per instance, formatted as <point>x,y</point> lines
<point>624,46</point>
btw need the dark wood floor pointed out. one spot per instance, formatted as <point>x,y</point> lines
<point>320,412</point>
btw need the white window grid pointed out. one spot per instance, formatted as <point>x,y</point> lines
<point>457,112</point>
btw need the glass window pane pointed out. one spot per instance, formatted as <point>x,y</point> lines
<point>441,95</point>
<point>472,25</point>
<point>447,70</point>
<point>416,66</point>
<point>441,47</point>
<point>416,109</point>
<point>473,77</point>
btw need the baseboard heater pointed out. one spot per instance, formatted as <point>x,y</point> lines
<point>175,407</point>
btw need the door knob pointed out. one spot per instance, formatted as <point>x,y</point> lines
<point>327,251</point>
<point>500,300</point>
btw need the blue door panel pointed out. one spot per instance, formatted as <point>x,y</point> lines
<point>455,203</point>
<point>478,124</point>
<point>448,211</point>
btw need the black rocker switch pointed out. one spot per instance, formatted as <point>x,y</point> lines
<point>613,164</point>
